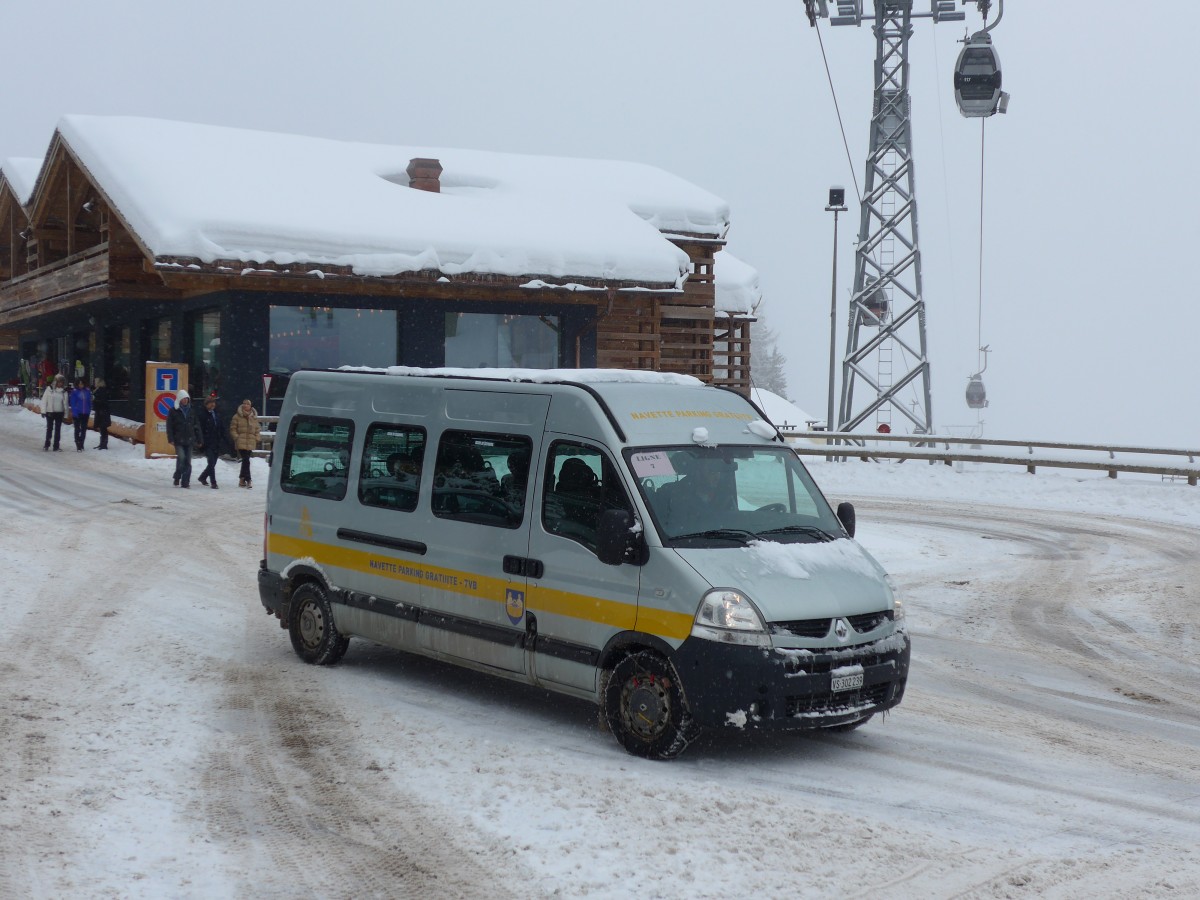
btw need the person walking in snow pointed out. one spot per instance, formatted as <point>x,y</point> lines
<point>103,418</point>
<point>211,430</point>
<point>245,431</point>
<point>183,432</point>
<point>81,412</point>
<point>54,408</point>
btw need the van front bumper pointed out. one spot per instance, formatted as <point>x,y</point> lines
<point>780,689</point>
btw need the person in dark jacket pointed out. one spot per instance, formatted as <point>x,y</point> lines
<point>101,418</point>
<point>55,404</point>
<point>212,430</point>
<point>81,411</point>
<point>183,432</point>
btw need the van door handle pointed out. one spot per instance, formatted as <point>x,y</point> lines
<point>523,565</point>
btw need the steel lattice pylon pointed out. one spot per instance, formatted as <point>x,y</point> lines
<point>886,347</point>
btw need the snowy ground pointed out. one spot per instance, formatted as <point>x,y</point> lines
<point>160,739</point>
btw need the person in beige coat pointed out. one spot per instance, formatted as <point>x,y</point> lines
<point>245,431</point>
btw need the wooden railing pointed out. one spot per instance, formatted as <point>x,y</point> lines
<point>937,448</point>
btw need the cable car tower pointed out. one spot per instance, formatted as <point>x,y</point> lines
<point>886,350</point>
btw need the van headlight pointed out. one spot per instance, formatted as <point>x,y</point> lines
<point>729,617</point>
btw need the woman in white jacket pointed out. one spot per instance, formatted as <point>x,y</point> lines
<point>54,408</point>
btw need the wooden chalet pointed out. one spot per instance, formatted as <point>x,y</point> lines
<point>82,285</point>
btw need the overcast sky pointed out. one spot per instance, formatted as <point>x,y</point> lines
<point>1090,198</point>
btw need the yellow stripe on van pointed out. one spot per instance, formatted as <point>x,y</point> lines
<point>664,623</point>
<point>374,563</point>
<point>580,606</point>
<point>613,613</point>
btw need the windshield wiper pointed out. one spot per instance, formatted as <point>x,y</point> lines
<point>812,530</point>
<point>731,534</point>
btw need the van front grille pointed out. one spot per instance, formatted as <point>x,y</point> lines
<point>818,628</point>
<point>869,621</point>
<point>809,628</point>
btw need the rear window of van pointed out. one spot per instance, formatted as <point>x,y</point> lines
<point>316,457</point>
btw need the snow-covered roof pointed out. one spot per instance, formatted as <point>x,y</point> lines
<point>736,285</point>
<point>215,193</point>
<point>22,173</point>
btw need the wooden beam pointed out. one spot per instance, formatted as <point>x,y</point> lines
<point>16,315</point>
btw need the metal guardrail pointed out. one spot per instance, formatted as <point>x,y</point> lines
<point>266,437</point>
<point>852,445</point>
<point>921,446</point>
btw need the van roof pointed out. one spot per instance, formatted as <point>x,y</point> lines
<point>542,376</point>
<point>644,408</point>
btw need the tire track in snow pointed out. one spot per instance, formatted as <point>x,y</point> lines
<point>47,728</point>
<point>1059,598</point>
<point>289,789</point>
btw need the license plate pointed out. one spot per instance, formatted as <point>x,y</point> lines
<point>850,682</point>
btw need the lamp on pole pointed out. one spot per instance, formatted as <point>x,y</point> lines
<point>837,204</point>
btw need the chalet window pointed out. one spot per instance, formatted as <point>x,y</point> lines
<point>117,360</point>
<point>156,340</point>
<point>204,366</point>
<point>324,337</point>
<point>480,339</point>
<point>84,346</point>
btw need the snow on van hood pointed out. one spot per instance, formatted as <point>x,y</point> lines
<point>797,581</point>
<point>802,560</point>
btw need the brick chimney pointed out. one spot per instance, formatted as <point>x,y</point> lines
<point>425,175</point>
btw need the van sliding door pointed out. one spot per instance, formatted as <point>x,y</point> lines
<point>473,595</point>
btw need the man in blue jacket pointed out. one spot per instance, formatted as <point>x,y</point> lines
<point>81,411</point>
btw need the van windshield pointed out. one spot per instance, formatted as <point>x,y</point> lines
<point>722,496</point>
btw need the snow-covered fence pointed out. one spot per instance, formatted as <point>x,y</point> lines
<point>1167,462</point>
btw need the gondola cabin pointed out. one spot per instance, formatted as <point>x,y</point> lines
<point>976,393</point>
<point>977,78</point>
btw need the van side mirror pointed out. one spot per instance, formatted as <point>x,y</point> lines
<point>845,514</point>
<point>616,542</point>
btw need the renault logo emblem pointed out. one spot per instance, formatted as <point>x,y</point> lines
<point>841,628</point>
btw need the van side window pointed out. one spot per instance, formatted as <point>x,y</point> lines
<point>482,478</point>
<point>316,458</point>
<point>580,483</point>
<point>391,466</point>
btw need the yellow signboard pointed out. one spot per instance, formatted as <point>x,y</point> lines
<point>163,381</point>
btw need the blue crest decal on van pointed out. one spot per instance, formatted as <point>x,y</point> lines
<point>514,605</point>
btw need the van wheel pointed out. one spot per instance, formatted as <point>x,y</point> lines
<point>315,638</point>
<point>645,709</point>
<point>850,726</point>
